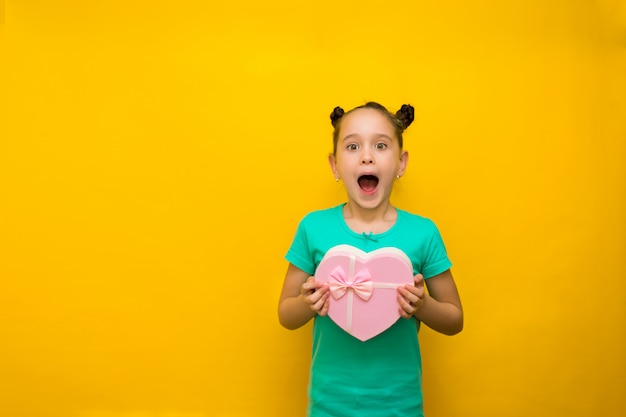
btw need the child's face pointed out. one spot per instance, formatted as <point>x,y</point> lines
<point>368,157</point>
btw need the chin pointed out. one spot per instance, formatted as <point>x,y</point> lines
<point>368,204</point>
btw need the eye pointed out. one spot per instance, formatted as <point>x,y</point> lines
<point>352,147</point>
<point>380,146</point>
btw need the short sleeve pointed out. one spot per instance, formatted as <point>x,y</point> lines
<point>299,254</point>
<point>436,260</point>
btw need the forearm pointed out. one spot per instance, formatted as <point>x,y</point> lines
<point>442,317</point>
<point>293,312</point>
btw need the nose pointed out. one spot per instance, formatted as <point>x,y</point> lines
<point>366,158</point>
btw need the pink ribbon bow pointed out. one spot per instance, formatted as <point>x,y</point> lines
<point>361,283</point>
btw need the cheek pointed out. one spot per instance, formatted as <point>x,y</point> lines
<point>344,160</point>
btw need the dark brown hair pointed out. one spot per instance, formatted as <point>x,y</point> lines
<point>400,121</point>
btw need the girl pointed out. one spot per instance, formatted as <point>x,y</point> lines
<point>381,376</point>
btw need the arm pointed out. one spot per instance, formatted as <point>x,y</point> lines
<point>440,308</point>
<point>301,299</point>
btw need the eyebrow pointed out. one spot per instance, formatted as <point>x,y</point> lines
<point>376,135</point>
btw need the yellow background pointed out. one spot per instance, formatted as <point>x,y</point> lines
<point>156,157</point>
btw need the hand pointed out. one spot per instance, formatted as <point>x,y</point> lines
<point>411,297</point>
<point>316,296</point>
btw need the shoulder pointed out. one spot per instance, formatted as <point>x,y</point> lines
<point>415,220</point>
<point>321,216</point>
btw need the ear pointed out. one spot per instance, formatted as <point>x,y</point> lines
<point>332,161</point>
<point>404,160</point>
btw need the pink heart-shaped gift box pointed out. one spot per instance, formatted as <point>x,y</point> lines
<point>364,287</point>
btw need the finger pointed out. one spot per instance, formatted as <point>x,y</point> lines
<point>418,280</point>
<point>311,284</point>
<point>418,284</point>
<point>310,287</point>
<point>318,306</point>
<point>404,314</point>
<point>324,310</point>
<point>317,294</point>
<point>410,293</point>
<point>406,309</point>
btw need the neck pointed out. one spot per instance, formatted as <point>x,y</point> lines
<point>375,220</point>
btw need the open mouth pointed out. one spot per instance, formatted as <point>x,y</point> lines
<point>368,183</point>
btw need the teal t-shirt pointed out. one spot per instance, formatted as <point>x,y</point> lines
<point>381,377</point>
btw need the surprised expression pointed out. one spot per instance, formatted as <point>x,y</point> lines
<point>368,157</point>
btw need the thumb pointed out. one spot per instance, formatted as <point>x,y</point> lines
<point>419,280</point>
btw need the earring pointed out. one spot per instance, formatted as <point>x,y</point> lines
<point>337,179</point>
<point>397,176</point>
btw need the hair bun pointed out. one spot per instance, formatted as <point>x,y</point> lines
<point>406,115</point>
<point>336,115</point>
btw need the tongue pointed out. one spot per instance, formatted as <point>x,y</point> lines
<point>368,183</point>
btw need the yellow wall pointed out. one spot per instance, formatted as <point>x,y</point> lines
<point>155,158</point>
